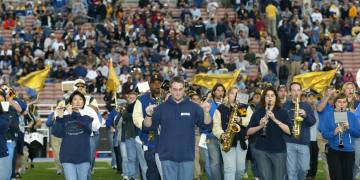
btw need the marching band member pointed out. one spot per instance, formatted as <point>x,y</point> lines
<point>196,98</point>
<point>349,89</point>
<point>127,133</point>
<point>91,108</point>
<point>214,152</point>
<point>177,117</point>
<point>254,100</point>
<point>298,159</point>
<point>147,141</point>
<point>282,91</point>
<point>5,169</point>
<point>75,128</point>
<point>324,107</point>
<point>234,159</point>
<point>17,107</point>
<point>55,141</point>
<point>273,123</point>
<point>340,149</point>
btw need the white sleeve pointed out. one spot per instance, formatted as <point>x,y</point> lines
<point>137,115</point>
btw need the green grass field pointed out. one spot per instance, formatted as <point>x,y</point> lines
<point>103,171</point>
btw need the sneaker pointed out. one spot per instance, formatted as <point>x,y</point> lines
<point>125,178</point>
<point>245,176</point>
<point>58,172</point>
<point>256,178</point>
<point>114,167</point>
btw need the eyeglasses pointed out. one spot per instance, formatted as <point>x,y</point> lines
<point>81,86</point>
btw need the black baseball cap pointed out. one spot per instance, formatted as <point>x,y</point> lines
<point>156,77</point>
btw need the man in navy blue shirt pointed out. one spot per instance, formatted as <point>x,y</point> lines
<point>298,159</point>
<point>177,117</point>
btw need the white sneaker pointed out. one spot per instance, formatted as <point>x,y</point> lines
<point>125,178</point>
<point>245,176</point>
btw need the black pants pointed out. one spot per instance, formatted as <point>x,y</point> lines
<point>314,152</point>
<point>152,172</point>
<point>341,164</point>
<point>118,158</point>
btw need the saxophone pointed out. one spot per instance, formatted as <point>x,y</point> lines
<point>231,130</point>
<point>297,119</point>
<point>158,101</point>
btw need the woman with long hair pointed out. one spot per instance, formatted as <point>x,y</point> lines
<point>269,123</point>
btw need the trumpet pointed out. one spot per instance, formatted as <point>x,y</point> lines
<point>8,90</point>
<point>264,129</point>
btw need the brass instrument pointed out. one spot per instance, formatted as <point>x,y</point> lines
<point>232,128</point>
<point>297,119</point>
<point>8,90</point>
<point>263,134</point>
<point>158,101</point>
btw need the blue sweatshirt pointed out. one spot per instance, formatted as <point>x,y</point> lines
<point>177,136</point>
<point>4,126</point>
<point>308,121</point>
<point>274,141</point>
<point>75,130</point>
<point>328,129</point>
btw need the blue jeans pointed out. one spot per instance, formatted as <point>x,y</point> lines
<point>131,152</point>
<point>111,143</point>
<point>94,140</point>
<point>5,169</point>
<point>234,162</point>
<point>76,171</point>
<point>178,170</point>
<point>271,166</point>
<point>125,160</point>
<point>297,161</point>
<point>206,159</point>
<point>11,149</point>
<point>215,157</point>
<point>141,158</point>
<point>253,163</point>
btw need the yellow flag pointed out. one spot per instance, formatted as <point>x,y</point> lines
<point>35,80</point>
<point>209,80</point>
<point>112,82</point>
<point>316,81</point>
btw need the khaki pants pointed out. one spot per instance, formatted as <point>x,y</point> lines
<point>321,144</point>
<point>55,145</point>
<point>271,26</point>
<point>197,162</point>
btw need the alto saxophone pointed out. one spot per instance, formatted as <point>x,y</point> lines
<point>297,119</point>
<point>231,130</point>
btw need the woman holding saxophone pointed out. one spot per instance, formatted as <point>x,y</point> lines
<point>270,147</point>
<point>340,149</point>
<point>230,129</point>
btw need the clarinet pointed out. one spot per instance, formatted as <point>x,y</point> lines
<point>341,139</point>
<point>264,129</point>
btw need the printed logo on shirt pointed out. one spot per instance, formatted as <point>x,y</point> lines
<point>185,114</point>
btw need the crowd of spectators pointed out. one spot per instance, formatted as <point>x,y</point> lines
<point>77,39</point>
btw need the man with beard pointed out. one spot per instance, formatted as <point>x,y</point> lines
<point>147,140</point>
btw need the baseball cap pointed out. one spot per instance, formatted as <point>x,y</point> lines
<point>156,77</point>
